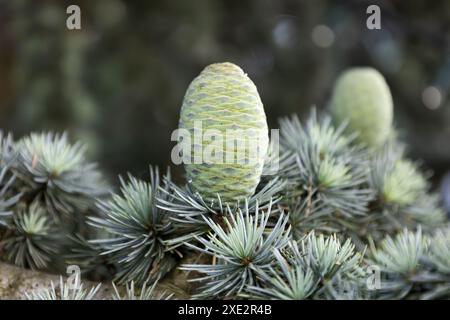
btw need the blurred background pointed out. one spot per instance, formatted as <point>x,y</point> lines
<point>118,83</point>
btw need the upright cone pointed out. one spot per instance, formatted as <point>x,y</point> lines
<point>362,98</point>
<point>222,100</point>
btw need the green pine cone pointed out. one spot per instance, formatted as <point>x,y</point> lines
<point>362,98</point>
<point>223,98</point>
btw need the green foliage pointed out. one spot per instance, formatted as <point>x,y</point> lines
<point>189,209</point>
<point>31,239</point>
<point>284,281</point>
<point>325,165</point>
<point>402,197</point>
<point>317,267</point>
<point>327,174</point>
<point>397,181</point>
<point>440,251</point>
<point>46,188</point>
<point>242,246</point>
<point>7,200</point>
<point>308,214</point>
<point>403,184</point>
<point>58,173</point>
<point>143,293</point>
<point>401,255</point>
<point>414,265</point>
<point>138,230</point>
<point>63,291</point>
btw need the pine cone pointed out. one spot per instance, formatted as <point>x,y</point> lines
<point>223,98</point>
<point>362,97</point>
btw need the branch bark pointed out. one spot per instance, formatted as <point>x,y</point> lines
<point>15,282</point>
